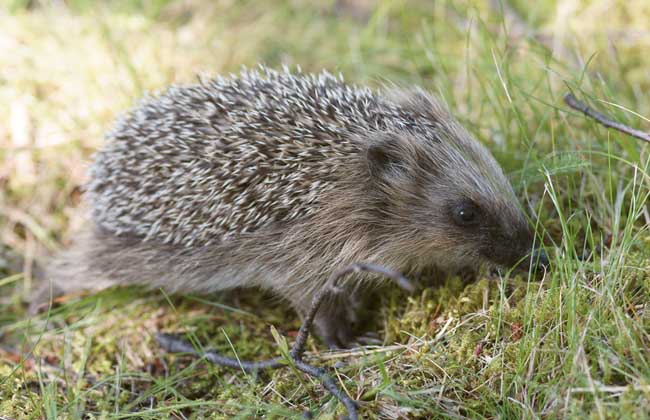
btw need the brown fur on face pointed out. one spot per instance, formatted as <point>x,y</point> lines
<point>417,185</point>
<point>275,180</point>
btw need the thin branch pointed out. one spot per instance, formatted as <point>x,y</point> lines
<point>578,105</point>
<point>174,344</point>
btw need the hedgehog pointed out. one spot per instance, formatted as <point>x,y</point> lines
<point>272,179</point>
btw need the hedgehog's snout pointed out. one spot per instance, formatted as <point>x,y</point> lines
<point>536,261</point>
<point>535,257</point>
<point>540,259</point>
<point>515,248</point>
<point>529,258</point>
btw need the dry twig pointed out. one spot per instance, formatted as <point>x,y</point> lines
<point>578,105</point>
<point>174,344</point>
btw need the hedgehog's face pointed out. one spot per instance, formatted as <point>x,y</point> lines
<point>447,203</point>
<point>489,230</point>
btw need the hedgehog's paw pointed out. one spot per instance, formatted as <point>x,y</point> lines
<point>336,323</point>
<point>336,332</point>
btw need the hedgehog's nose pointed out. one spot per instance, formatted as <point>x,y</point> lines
<point>540,259</point>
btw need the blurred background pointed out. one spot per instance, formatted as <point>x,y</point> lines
<point>69,68</point>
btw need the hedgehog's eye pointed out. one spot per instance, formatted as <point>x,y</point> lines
<point>465,214</point>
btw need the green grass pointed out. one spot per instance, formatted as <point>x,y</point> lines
<point>574,344</point>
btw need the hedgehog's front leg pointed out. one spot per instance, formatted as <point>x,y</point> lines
<point>337,320</point>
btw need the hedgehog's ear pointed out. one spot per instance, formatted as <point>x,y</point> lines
<point>384,157</point>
